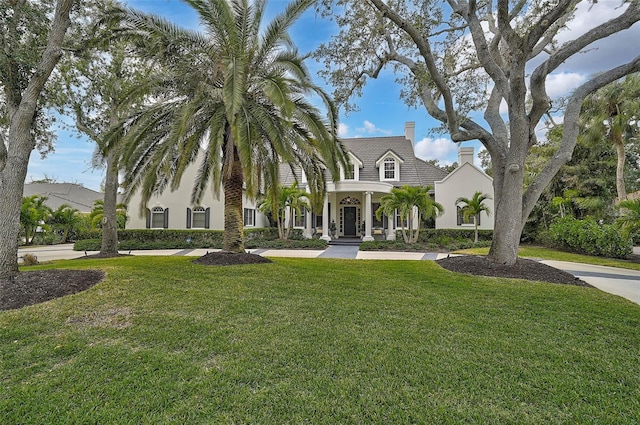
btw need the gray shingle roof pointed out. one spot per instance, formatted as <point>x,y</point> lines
<point>413,171</point>
<point>72,194</point>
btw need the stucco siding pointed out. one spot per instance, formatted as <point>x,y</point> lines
<point>463,182</point>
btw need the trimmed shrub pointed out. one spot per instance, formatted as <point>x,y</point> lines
<point>190,239</point>
<point>588,237</point>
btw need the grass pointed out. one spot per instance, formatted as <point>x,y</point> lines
<point>530,251</point>
<point>320,341</point>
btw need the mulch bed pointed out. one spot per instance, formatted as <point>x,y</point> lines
<point>523,269</point>
<point>38,286</point>
<point>230,259</point>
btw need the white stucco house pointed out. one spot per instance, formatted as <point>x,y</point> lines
<point>377,164</point>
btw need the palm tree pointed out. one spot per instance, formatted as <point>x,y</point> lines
<point>413,204</point>
<point>63,219</point>
<point>233,101</point>
<point>286,198</point>
<point>629,221</point>
<point>611,114</point>
<point>33,214</point>
<point>471,208</point>
<point>96,216</point>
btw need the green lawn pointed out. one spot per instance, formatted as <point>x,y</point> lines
<point>319,341</point>
<point>530,251</point>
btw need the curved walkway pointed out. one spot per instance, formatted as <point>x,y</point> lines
<point>622,282</point>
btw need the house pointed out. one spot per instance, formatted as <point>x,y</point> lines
<point>57,194</point>
<point>464,181</point>
<point>376,165</point>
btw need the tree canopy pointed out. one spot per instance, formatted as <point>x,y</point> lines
<point>482,70</point>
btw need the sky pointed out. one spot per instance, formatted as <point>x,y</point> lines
<point>381,113</point>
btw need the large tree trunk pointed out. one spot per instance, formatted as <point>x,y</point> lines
<point>12,179</point>
<point>14,157</point>
<point>233,239</point>
<point>109,219</point>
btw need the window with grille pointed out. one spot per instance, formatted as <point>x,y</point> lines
<point>199,218</point>
<point>157,218</point>
<point>390,169</point>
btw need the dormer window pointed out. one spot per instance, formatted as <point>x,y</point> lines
<point>389,169</point>
<point>349,172</point>
<point>352,170</point>
<point>389,166</point>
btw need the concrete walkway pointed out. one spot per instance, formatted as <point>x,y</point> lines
<point>622,282</point>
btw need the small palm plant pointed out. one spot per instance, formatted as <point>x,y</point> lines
<point>64,219</point>
<point>629,220</point>
<point>413,204</point>
<point>277,203</point>
<point>471,208</point>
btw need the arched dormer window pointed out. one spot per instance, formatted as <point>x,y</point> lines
<point>389,170</point>
<point>389,166</point>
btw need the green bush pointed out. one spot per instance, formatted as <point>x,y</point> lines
<point>445,236</point>
<point>588,237</point>
<point>189,239</point>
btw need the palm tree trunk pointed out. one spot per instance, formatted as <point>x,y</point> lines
<point>233,239</point>
<point>620,186</point>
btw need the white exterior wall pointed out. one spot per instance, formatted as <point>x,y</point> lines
<point>464,181</point>
<point>178,202</point>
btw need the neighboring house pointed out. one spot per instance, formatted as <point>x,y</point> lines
<point>57,194</point>
<point>376,165</point>
<point>464,181</point>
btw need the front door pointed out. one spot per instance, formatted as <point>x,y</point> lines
<point>350,221</point>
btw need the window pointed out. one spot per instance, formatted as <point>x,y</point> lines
<point>158,218</point>
<point>389,169</point>
<point>199,218</point>
<point>469,220</point>
<point>299,218</point>
<point>399,221</point>
<point>249,217</point>
<point>350,172</point>
<point>316,220</point>
<point>376,222</point>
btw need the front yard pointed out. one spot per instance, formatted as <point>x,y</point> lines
<point>163,340</point>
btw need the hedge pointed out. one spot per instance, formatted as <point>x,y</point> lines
<point>588,237</point>
<point>190,239</point>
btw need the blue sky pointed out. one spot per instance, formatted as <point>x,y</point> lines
<point>381,112</point>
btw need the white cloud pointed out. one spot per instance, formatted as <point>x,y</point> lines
<point>441,149</point>
<point>343,130</point>
<point>564,83</point>
<point>370,128</point>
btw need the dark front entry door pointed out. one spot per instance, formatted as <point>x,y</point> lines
<point>350,221</point>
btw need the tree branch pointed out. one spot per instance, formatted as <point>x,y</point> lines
<point>539,76</point>
<point>426,53</point>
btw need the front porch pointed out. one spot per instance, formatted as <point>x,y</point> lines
<point>350,207</point>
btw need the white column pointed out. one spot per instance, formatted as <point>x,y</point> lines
<point>325,220</point>
<point>391,232</point>
<point>368,217</point>
<point>308,234</point>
